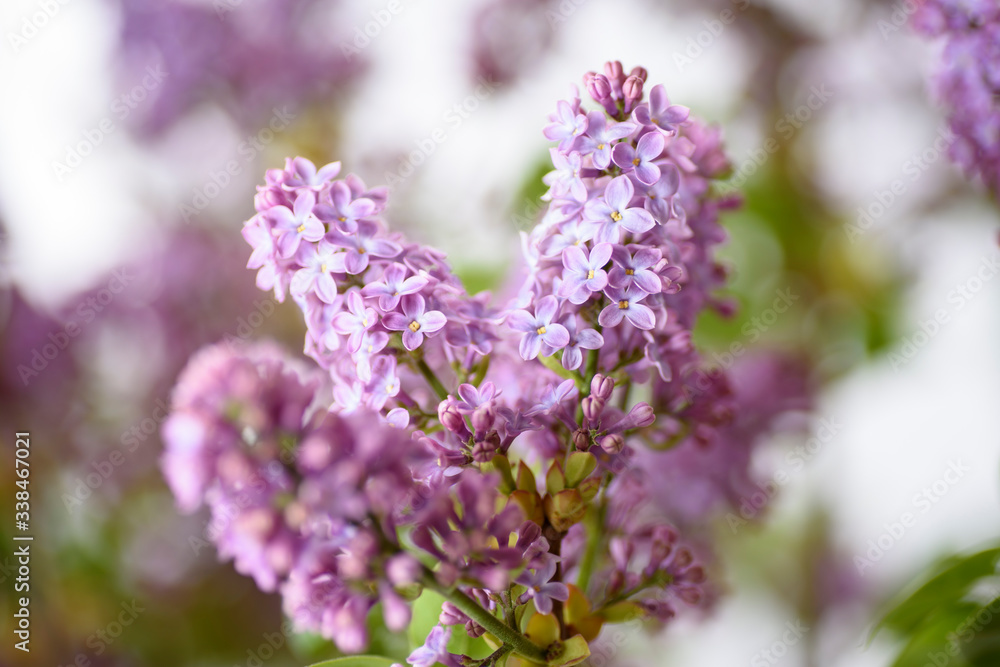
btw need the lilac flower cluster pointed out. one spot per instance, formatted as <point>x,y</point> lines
<point>968,81</point>
<point>485,454</point>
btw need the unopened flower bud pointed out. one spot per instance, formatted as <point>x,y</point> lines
<point>601,387</point>
<point>613,444</point>
<point>632,90</point>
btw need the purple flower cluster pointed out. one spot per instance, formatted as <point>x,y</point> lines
<point>489,455</point>
<point>249,56</point>
<point>968,80</point>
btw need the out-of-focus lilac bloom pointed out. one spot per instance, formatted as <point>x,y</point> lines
<point>585,339</point>
<point>362,245</point>
<point>319,263</point>
<point>625,305</point>
<point>640,161</point>
<point>393,285</point>
<point>414,321</point>
<point>296,225</point>
<point>634,269</point>
<point>434,650</point>
<point>541,588</point>
<point>612,213</point>
<point>584,275</point>
<point>567,124</point>
<point>398,418</point>
<point>660,113</point>
<point>539,328</point>
<point>356,320</point>
<point>601,136</point>
<point>344,211</point>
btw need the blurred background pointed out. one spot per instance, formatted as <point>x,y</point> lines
<point>133,132</point>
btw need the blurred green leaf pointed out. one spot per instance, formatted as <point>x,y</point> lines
<point>941,594</point>
<point>358,661</point>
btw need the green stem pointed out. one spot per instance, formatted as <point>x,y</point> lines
<point>432,379</point>
<point>594,526</point>
<point>517,642</point>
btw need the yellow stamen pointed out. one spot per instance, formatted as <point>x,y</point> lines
<point>322,268</point>
<point>616,216</point>
<point>636,161</point>
<point>361,251</point>
<point>623,304</point>
<point>600,147</point>
<point>300,229</point>
<point>414,326</point>
<point>540,331</point>
<point>590,274</point>
<point>629,272</point>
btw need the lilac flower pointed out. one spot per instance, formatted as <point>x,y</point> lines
<point>584,275</point>
<point>600,136</point>
<point>302,173</point>
<point>566,126</point>
<point>634,269</point>
<point>372,342</point>
<point>356,321</point>
<point>585,339</point>
<point>566,179</point>
<point>257,232</point>
<point>539,328</point>
<point>384,383</point>
<point>362,245</point>
<point>434,650</point>
<point>641,158</point>
<point>473,397</point>
<point>625,305</point>
<point>318,262</point>
<point>660,195</point>
<point>394,284</point>
<point>294,226</point>
<point>414,322</point>
<point>345,211</point>
<point>660,113</point>
<point>541,588</point>
<point>612,213</point>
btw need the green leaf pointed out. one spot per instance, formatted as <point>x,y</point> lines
<point>953,579</point>
<point>358,661</point>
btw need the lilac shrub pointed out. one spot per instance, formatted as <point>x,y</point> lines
<point>494,455</point>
